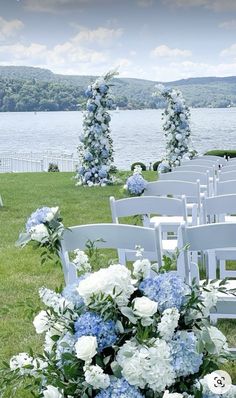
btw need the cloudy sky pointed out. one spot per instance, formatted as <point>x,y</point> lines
<point>161,40</point>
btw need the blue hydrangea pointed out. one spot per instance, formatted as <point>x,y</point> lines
<point>87,175</point>
<point>103,88</point>
<point>38,217</point>
<point>88,156</point>
<point>97,129</point>
<point>168,290</point>
<point>102,173</point>
<point>136,184</point>
<point>91,324</point>
<point>70,293</point>
<point>104,153</point>
<point>91,107</point>
<point>120,388</point>
<point>184,356</point>
<point>89,92</point>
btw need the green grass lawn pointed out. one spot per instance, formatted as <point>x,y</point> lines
<point>21,274</point>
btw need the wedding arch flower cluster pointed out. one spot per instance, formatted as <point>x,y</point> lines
<point>96,147</point>
<point>120,333</point>
<point>176,126</point>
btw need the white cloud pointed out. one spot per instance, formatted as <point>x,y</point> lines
<point>164,51</point>
<point>228,24</point>
<point>53,5</point>
<point>229,52</point>
<point>102,36</point>
<point>9,28</point>
<point>187,69</point>
<point>215,5</point>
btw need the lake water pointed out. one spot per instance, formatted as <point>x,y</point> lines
<point>137,134</point>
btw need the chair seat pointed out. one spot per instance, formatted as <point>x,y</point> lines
<point>169,245</point>
<point>231,284</point>
<point>175,220</point>
<point>230,219</point>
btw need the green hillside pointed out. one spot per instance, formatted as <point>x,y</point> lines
<point>34,89</point>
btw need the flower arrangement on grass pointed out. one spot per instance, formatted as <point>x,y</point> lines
<point>135,185</point>
<point>117,333</point>
<point>96,148</point>
<point>176,127</point>
<point>44,229</point>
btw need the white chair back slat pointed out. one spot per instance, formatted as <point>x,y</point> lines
<point>191,176</point>
<point>110,236</point>
<point>226,187</point>
<point>219,159</point>
<point>197,168</point>
<point>227,176</point>
<point>227,168</point>
<point>218,206</point>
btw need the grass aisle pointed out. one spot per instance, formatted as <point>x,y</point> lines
<point>21,274</point>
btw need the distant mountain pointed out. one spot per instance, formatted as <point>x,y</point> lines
<point>24,88</point>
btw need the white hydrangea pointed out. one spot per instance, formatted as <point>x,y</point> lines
<point>95,376</point>
<point>114,281</point>
<point>39,233</point>
<point>81,261</point>
<point>172,395</point>
<point>22,360</point>
<point>41,322</point>
<point>52,392</point>
<point>147,366</point>
<point>169,322</point>
<point>51,214</point>
<point>231,393</point>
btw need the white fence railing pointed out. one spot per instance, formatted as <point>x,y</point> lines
<point>21,165</point>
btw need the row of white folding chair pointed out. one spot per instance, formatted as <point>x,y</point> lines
<point>213,158</point>
<point>228,167</point>
<point>170,212</point>
<point>208,238</point>
<point>217,160</point>
<point>116,236</point>
<point>192,176</point>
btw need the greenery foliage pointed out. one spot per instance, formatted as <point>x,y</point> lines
<point>142,165</point>
<point>155,165</point>
<point>222,152</point>
<point>53,167</point>
<point>34,89</point>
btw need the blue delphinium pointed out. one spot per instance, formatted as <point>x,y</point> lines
<point>91,324</point>
<point>38,217</point>
<point>136,184</point>
<point>70,293</point>
<point>185,358</point>
<point>168,290</point>
<point>120,388</point>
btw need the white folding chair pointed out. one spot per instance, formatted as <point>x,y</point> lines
<point>209,238</point>
<point>111,236</point>
<point>191,176</point>
<point>1,201</point>
<point>171,213</point>
<point>196,167</point>
<point>220,209</point>
<point>227,176</point>
<point>225,187</point>
<point>199,162</point>
<point>231,160</point>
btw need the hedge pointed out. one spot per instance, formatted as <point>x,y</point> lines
<point>222,152</point>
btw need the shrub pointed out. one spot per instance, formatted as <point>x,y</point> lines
<point>155,165</point>
<point>222,152</point>
<point>142,165</point>
<point>53,167</point>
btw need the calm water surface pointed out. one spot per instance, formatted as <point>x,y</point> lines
<point>137,135</point>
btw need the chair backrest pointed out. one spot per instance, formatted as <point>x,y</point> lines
<point>197,167</point>
<point>225,187</point>
<point>229,167</point>
<point>191,176</point>
<point>205,238</point>
<point>212,158</point>
<point>227,176</point>
<point>218,206</point>
<point>231,160</point>
<point>148,205</point>
<point>191,190</point>
<point>199,161</point>
<point>112,236</point>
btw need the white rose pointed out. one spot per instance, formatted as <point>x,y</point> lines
<point>170,395</point>
<point>144,307</point>
<point>86,348</point>
<point>39,233</point>
<point>41,322</point>
<point>51,214</point>
<point>95,376</point>
<point>52,392</point>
